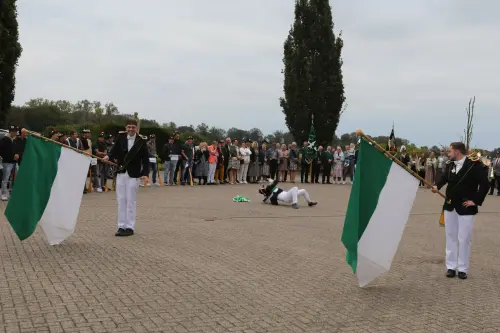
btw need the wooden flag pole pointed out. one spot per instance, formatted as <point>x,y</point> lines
<point>401,164</point>
<point>395,160</point>
<point>74,149</point>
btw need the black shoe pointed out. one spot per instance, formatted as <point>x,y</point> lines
<point>120,232</point>
<point>295,206</point>
<point>128,232</point>
<point>462,275</point>
<point>312,203</point>
<point>451,273</point>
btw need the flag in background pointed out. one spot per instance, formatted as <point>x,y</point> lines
<point>48,190</point>
<point>379,206</point>
<point>312,148</point>
<point>391,144</point>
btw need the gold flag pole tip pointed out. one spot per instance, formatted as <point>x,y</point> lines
<point>359,132</point>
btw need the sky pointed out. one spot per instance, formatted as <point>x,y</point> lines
<point>414,63</point>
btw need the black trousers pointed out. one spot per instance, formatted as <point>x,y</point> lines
<point>327,170</point>
<point>316,169</point>
<point>304,172</point>
<point>273,168</point>
<point>495,183</point>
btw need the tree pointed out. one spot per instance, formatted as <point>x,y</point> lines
<point>10,51</point>
<point>255,134</point>
<point>313,81</point>
<point>237,133</point>
<point>110,109</point>
<point>202,129</point>
<point>470,117</point>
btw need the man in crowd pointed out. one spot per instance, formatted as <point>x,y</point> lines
<point>100,149</point>
<point>326,161</point>
<point>176,157</point>
<point>318,160</point>
<point>86,146</point>
<point>495,164</point>
<point>187,153</point>
<point>467,188</point>
<point>74,141</point>
<point>304,164</point>
<point>9,160</point>
<point>132,155</point>
<point>20,144</point>
<point>226,155</point>
<point>152,155</point>
<point>441,165</point>
<point>168,166</point>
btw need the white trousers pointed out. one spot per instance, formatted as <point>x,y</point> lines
<point>458,240</point>
<point>293,195</point>
<point>211,172</point>
<point>126,192</point>
<point>243,172</point>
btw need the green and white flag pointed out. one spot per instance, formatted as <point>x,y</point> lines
<point>48,190</point>
<point>379,206</point>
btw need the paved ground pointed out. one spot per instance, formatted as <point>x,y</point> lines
<point>200,263</point>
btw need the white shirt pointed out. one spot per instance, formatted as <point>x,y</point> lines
<point>130,141</point>
<point>458,165</point>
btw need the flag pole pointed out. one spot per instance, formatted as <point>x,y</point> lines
<point>360,132</point>
<point>69,147</point>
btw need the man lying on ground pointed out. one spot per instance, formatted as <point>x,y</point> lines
<point>272,194</point>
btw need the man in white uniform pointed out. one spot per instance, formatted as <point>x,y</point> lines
<point>131,154</point>
<point>273,194</point>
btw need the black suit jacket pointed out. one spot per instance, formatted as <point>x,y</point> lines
<point>137,163</point>
<point>470,183</point>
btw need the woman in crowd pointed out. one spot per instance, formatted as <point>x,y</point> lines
<point>219,170</point>
<point>245,158</point>
<point>212,162</point>
<point>349,162</point>
<point>265,163</point>
<point>272,160</point>
<point>201,161</point>
<point>253,170</point>
<point>421,171</point>
<point>234,163</point>
<point>430,168</point>
<point>338,169</point>
<point>283,156</point>
<point>294,161</point>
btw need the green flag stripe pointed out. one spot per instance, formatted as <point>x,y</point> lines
<point>33,185</point>
<point>372,168</point>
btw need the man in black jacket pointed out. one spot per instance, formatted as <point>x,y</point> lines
<point>168,167</point>
<point>467,188</point>
<point>9,160</point>
<point>272,194</point>
<point>131,153</point>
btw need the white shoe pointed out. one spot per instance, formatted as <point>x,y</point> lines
<point>343,183</point>
<point>99,190</point>
<point>141,185</point>
<point>156,184</point>
<point>4,197</point>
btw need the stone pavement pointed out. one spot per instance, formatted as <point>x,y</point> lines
<point>201,263</point>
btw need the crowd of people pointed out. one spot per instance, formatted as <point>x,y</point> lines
<point>228,161</point>
<point>248,162</point>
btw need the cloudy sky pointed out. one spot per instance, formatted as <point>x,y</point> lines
<point>412,62</point>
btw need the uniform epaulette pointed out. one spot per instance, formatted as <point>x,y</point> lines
<point>143,136</point>
<point>122,132</point>
<point>448,161</point>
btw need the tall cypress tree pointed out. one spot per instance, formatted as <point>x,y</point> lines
<point>10,51</point>
<point>313,81</point>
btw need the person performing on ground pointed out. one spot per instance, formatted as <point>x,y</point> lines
<point>467,188</point>
<point>273,194</point>
<point>131,153</point>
